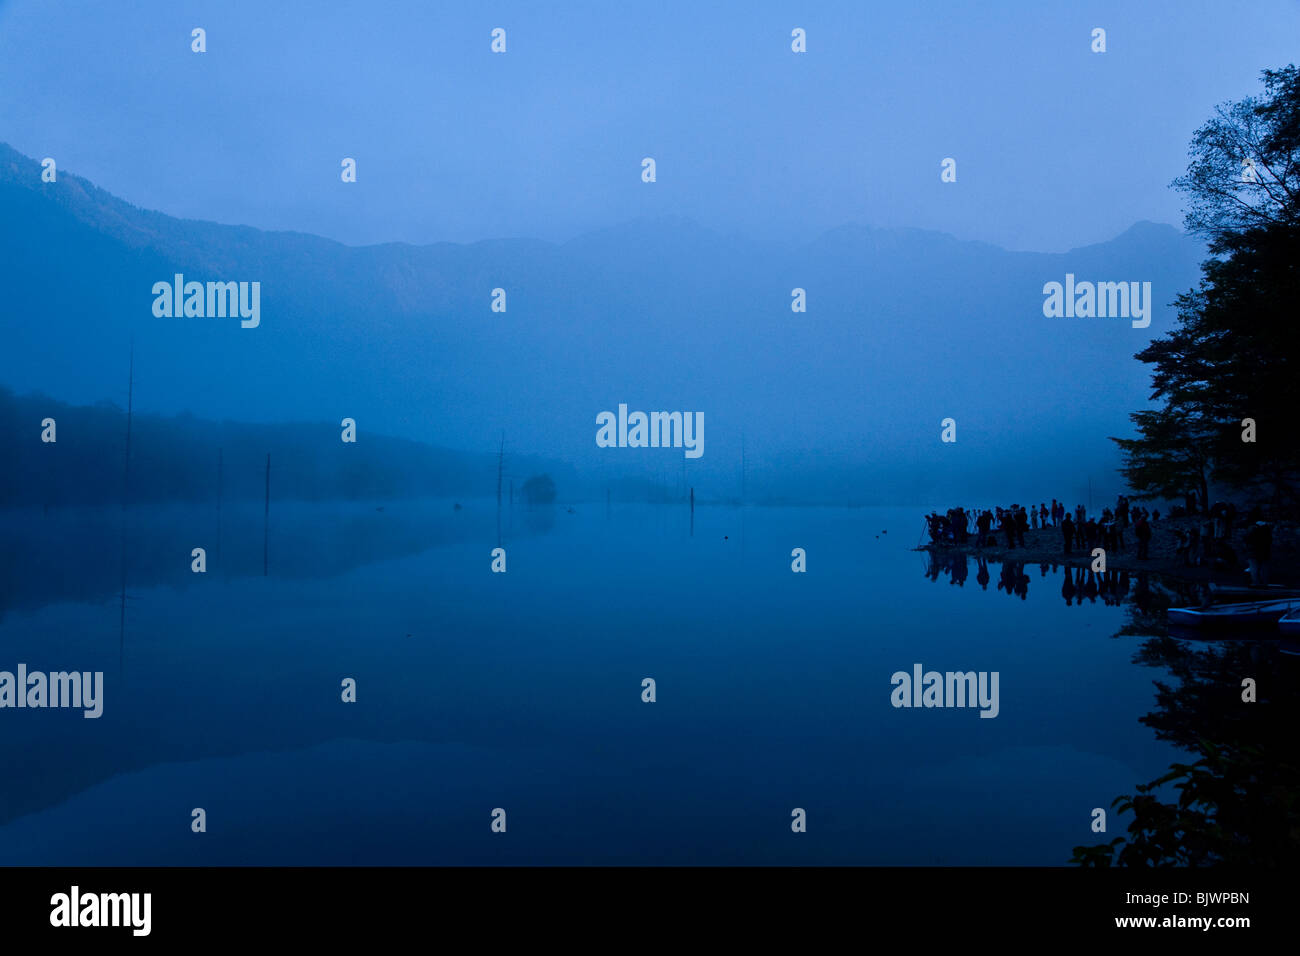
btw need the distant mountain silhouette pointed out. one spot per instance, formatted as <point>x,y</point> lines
<point>904,327</point>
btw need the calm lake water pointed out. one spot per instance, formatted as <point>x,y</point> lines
<point>523,691</point>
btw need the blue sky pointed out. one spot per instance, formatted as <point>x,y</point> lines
<point>1056,146</point>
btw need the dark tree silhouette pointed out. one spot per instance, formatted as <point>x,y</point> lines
<point>1230,357</point>
<point>539,490</point>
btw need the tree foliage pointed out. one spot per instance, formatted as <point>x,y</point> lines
<point>1230,356</point>
<point>539,490</point>
<point>1224,200</point>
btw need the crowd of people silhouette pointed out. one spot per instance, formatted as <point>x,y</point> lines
<point>1079,530</point>
<point>1202,536</point>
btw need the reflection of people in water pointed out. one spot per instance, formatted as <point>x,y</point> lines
<point>1111,585</point>
<point>1077,583</point>
<point>1067,586</point>
<point>959,570</point>
<point>1142,594</point>
<point>954,565</point>
<point>1014,580</point>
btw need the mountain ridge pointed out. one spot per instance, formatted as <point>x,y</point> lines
<point>903,328</point>
<point>22,170</point>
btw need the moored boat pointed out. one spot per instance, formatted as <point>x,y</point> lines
<point>1290,623</point>
<point>1241,593</point>
<point>1248,614</point>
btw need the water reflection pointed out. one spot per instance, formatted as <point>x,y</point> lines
<point>179,686</point>
<point>1236,802</point>
<point>1231,699</point>
<point>1077,584</point>
<point>471,683</point>
<point>58,555</point>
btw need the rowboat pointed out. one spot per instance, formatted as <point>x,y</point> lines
<point>1290,623</point>
<point>1250,614</point>
<point>1227,592</point>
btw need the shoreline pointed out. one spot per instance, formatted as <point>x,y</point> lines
<point>1047,546</point>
